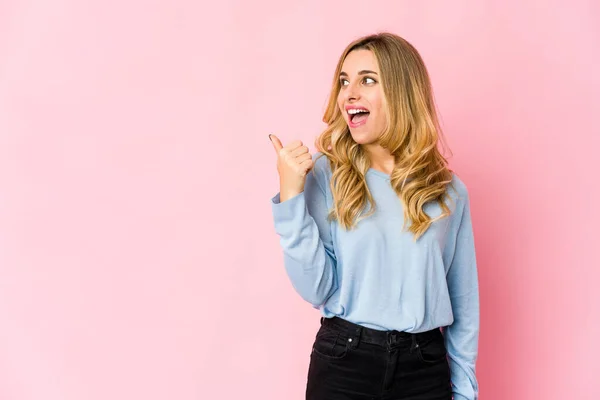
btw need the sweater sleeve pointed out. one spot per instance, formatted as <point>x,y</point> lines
<point>462,336</point>
<point>305,237</point>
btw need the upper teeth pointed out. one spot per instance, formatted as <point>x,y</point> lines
<point>356,110</point>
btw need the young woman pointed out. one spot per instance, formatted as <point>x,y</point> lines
<point>378,236</point>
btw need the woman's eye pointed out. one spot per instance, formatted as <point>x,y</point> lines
<point>344,82</point>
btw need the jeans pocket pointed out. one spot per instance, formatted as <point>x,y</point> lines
<point>432,350</point>
<point>329,345</point>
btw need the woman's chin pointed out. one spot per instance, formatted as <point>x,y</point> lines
<point>362,137</point>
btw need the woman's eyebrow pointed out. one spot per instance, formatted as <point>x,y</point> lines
<point>363,72</point>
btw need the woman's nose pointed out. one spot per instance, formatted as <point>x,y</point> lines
<point>352,92</point>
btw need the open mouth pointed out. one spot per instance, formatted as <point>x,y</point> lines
<point>358,116</point>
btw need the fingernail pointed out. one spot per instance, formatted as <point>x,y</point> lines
<point>270,138</point>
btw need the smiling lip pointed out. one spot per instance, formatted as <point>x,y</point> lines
<point>352,124</point>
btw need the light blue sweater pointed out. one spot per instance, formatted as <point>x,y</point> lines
<point>377,276</point>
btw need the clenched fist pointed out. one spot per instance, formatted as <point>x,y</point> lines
<point>293,163</point>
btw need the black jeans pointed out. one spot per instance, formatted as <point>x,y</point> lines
<point>352,362</point>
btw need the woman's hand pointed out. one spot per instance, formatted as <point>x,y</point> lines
<point>293,163</point>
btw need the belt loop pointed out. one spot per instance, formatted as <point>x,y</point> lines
<point>392,338</point>
<point>414,344</point>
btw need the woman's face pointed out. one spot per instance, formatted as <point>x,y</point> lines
<point>361,98</point>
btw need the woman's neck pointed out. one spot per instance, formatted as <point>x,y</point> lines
<point>381,159</point>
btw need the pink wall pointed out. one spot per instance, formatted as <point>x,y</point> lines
<point>137,254</point>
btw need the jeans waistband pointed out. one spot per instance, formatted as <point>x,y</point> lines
<point>374,336</point>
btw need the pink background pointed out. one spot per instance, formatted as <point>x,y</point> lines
<point>138,258</point>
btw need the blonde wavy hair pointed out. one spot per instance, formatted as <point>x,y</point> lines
<point>412,134</point>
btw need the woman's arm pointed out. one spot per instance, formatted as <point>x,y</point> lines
<point>305,237</point>
<point>463,335</point>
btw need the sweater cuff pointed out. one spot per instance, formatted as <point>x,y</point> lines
<point>290,204</point>
<point>289,214</point>
<point>456,396</point>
